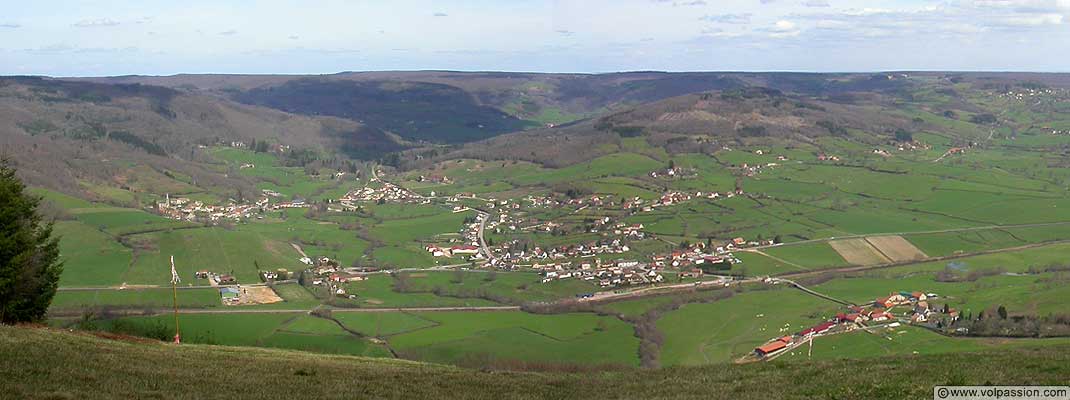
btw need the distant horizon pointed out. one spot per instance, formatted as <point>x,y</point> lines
<point>923,71</point>
<point>67,38</point>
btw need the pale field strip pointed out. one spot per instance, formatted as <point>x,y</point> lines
<point>858,252</point>
<point>896,248</point>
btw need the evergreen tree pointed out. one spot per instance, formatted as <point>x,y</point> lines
<point>29,255</point>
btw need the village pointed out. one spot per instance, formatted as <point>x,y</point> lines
<point>605,262</point>
<point>185,209</point>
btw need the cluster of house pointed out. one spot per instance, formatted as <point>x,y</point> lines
<point>386,192</point>
<point>617,273</point>
<point>827,157</point>
<point>693,257</point>
<point>513,253</point>
<point>274,148</point>
<point>913,145</point>
<point>216,279</point>
<point>674,172</point>
<point>880,310</point>
<point>636,204</point>
<point>748,169</point>
<point>452,251</point>
<point>184,209</point>
<point>921,311</point>
<point>329,273</point>
<point>280,274</point>
<point>441,179</point>
<point>1023,94</point>
<point>778,157</point>
<point>633,231</point>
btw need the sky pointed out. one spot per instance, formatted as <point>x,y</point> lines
<point>148,37</point>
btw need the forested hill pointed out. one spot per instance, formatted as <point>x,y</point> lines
<point>865,110</point>
<point>73,135</point>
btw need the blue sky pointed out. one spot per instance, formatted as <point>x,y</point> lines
<point>92,38</point>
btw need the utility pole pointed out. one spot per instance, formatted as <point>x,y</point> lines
<point>810,352</point>
<point>174,292</point>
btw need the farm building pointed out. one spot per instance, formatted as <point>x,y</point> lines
<point>467,249</point>
<point>692,273</point>
<point>818,329</point>
<point>342,277</point>
<point>769,348</point>
<point>878,316</point>
<point>229,294</point>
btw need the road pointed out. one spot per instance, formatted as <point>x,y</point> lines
<point>810,291</point>
<point>484,216</point>
<point>968,229</point>
<point>239,310</point>
<point>615,295</point>
<point>299,250</point>
<point>144,287</point>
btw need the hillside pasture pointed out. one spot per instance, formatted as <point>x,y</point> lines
<point>134,298</point>
<point>90,257</point>
<point>461,337</point>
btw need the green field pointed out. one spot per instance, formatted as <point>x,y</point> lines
<point>381,324</point>
<point>135,298</point>
<point>721,331</point>
<point>511,287</point>
<point>568,338</point>
<point>378,291</point>
<point>90,257</point>
<point>902,341</point>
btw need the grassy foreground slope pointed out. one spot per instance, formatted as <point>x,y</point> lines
<point>45,363</point>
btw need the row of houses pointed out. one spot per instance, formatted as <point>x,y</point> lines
<point>618,273</point>
<point>513,252</point>
<point>458,250</point>
<point>879,311</point>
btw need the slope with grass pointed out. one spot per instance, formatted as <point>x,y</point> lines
<point>46,364</point>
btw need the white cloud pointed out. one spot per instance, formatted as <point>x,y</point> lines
<point>1026,20</point>
<point>816,3</point>
<point>743,18</point>
<point>95,23</point>
<point>9,25</point>
<point>720,33</point>
<point>784,29</point>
